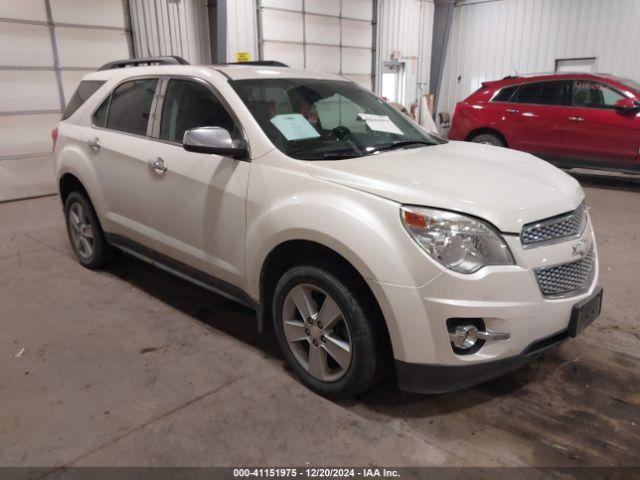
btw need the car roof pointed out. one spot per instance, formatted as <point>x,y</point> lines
<point>231,72</point>
<point>533,77</point>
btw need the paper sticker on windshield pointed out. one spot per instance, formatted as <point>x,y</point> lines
<point>380,123</point>
<point>294,126</point>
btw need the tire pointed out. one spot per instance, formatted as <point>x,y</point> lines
<point>85,233</point>
<point>489,139</point>
<point>353,323</point>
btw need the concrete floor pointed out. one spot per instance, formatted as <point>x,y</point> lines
<point>131,366</point>
<point>26,177</point>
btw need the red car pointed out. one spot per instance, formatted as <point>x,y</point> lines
<point>572,120</point>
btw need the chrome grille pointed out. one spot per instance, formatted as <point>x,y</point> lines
<point>568,277</point>
<point>563,226</point>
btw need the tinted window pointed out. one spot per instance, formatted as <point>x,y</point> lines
<point>590,94</point>
<point>505,94</point>
<point>544,93</point>
<point>130,106</point>
<point>189,104</point>
<point>100,115</point>
<point>83,92</point>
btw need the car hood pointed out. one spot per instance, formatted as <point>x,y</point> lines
<point>505,187</point>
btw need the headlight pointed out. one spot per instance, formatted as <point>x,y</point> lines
<point>463,244</point>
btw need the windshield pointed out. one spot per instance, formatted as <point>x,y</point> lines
<point>327,119</point>
<point>627,82</point>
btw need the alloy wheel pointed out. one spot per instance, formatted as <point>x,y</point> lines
<point>317,332</point>
<point>81,230</point>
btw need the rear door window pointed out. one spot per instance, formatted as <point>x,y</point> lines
<point>545,93</point>
<point>130,106</point>
<point>82,94</point>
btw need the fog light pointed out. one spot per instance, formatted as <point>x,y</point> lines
<point>464,336</point>
<point>468,335</point>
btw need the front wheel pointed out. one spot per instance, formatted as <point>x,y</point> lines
<point>325,334</point>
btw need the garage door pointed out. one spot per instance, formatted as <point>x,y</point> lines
<point>336,36</point>
<point>46,46</point>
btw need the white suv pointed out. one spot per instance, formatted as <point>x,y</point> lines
<point>366,241</point>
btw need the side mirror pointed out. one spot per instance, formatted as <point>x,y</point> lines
<point>627,105</point>
<point>215,140</point>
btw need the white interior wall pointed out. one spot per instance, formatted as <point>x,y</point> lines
<point>492,39</point>
<point>171,27</point>
<point>406,26</point>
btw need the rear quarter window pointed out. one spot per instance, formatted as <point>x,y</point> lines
<point>81,95</point>
<point>505,94</point>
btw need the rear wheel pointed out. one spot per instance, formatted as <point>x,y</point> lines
<point>324,332</point>
<point>488,139</point>
<point>85,233</point>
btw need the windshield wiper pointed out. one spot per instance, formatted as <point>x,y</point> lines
<point>401,144</point>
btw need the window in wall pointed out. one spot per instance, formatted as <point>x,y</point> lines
<point>544,93</point>
<point>584,65</point>
<point>589,94</point>
<point>188,105</point>
<point>130,106</point>
<point>393,82</point>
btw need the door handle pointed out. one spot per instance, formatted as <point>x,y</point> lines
<point>94,144</point>
<point>512,110</point>
<point>158,165</point>
<point>576,119</point>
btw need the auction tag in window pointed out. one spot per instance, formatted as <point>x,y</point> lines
<point>294,126</point>
<point>380,123</point>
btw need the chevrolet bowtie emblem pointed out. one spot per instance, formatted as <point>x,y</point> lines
<point>581,247</point>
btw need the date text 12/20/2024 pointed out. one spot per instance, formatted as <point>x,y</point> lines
<point>310,472</point>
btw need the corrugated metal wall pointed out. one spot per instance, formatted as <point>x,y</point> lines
<point>491,39</point>
<point>242,29</point>
<point>406,26</point>
<point>171,27</point>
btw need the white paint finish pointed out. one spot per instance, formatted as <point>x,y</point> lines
<point>356,33</point>
<point>406,26</point>
<point>492,39</point>
<point>23,10</point>
<point>362,9</point>
<point>326,59</point>
<point>25,45</point>
<point>242,29</point>
<point>288,53</point>
<point>23,135</point>
<point>321,29</point>
<point>84,47</point>
<point>282,26</point>
<point>171,28</point>
<point>326,7</point>
<point>108,13</point>
<point>23,91</point>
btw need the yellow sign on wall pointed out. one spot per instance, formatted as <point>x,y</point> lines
<point>243,57</point>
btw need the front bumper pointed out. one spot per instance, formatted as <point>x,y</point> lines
<point>432,379</point>
<point>507,298</point>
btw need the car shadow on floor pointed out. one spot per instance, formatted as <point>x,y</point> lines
<point>239,322</point>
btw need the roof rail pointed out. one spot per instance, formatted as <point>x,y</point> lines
<point>263,63</point>
<point>136,62</point>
